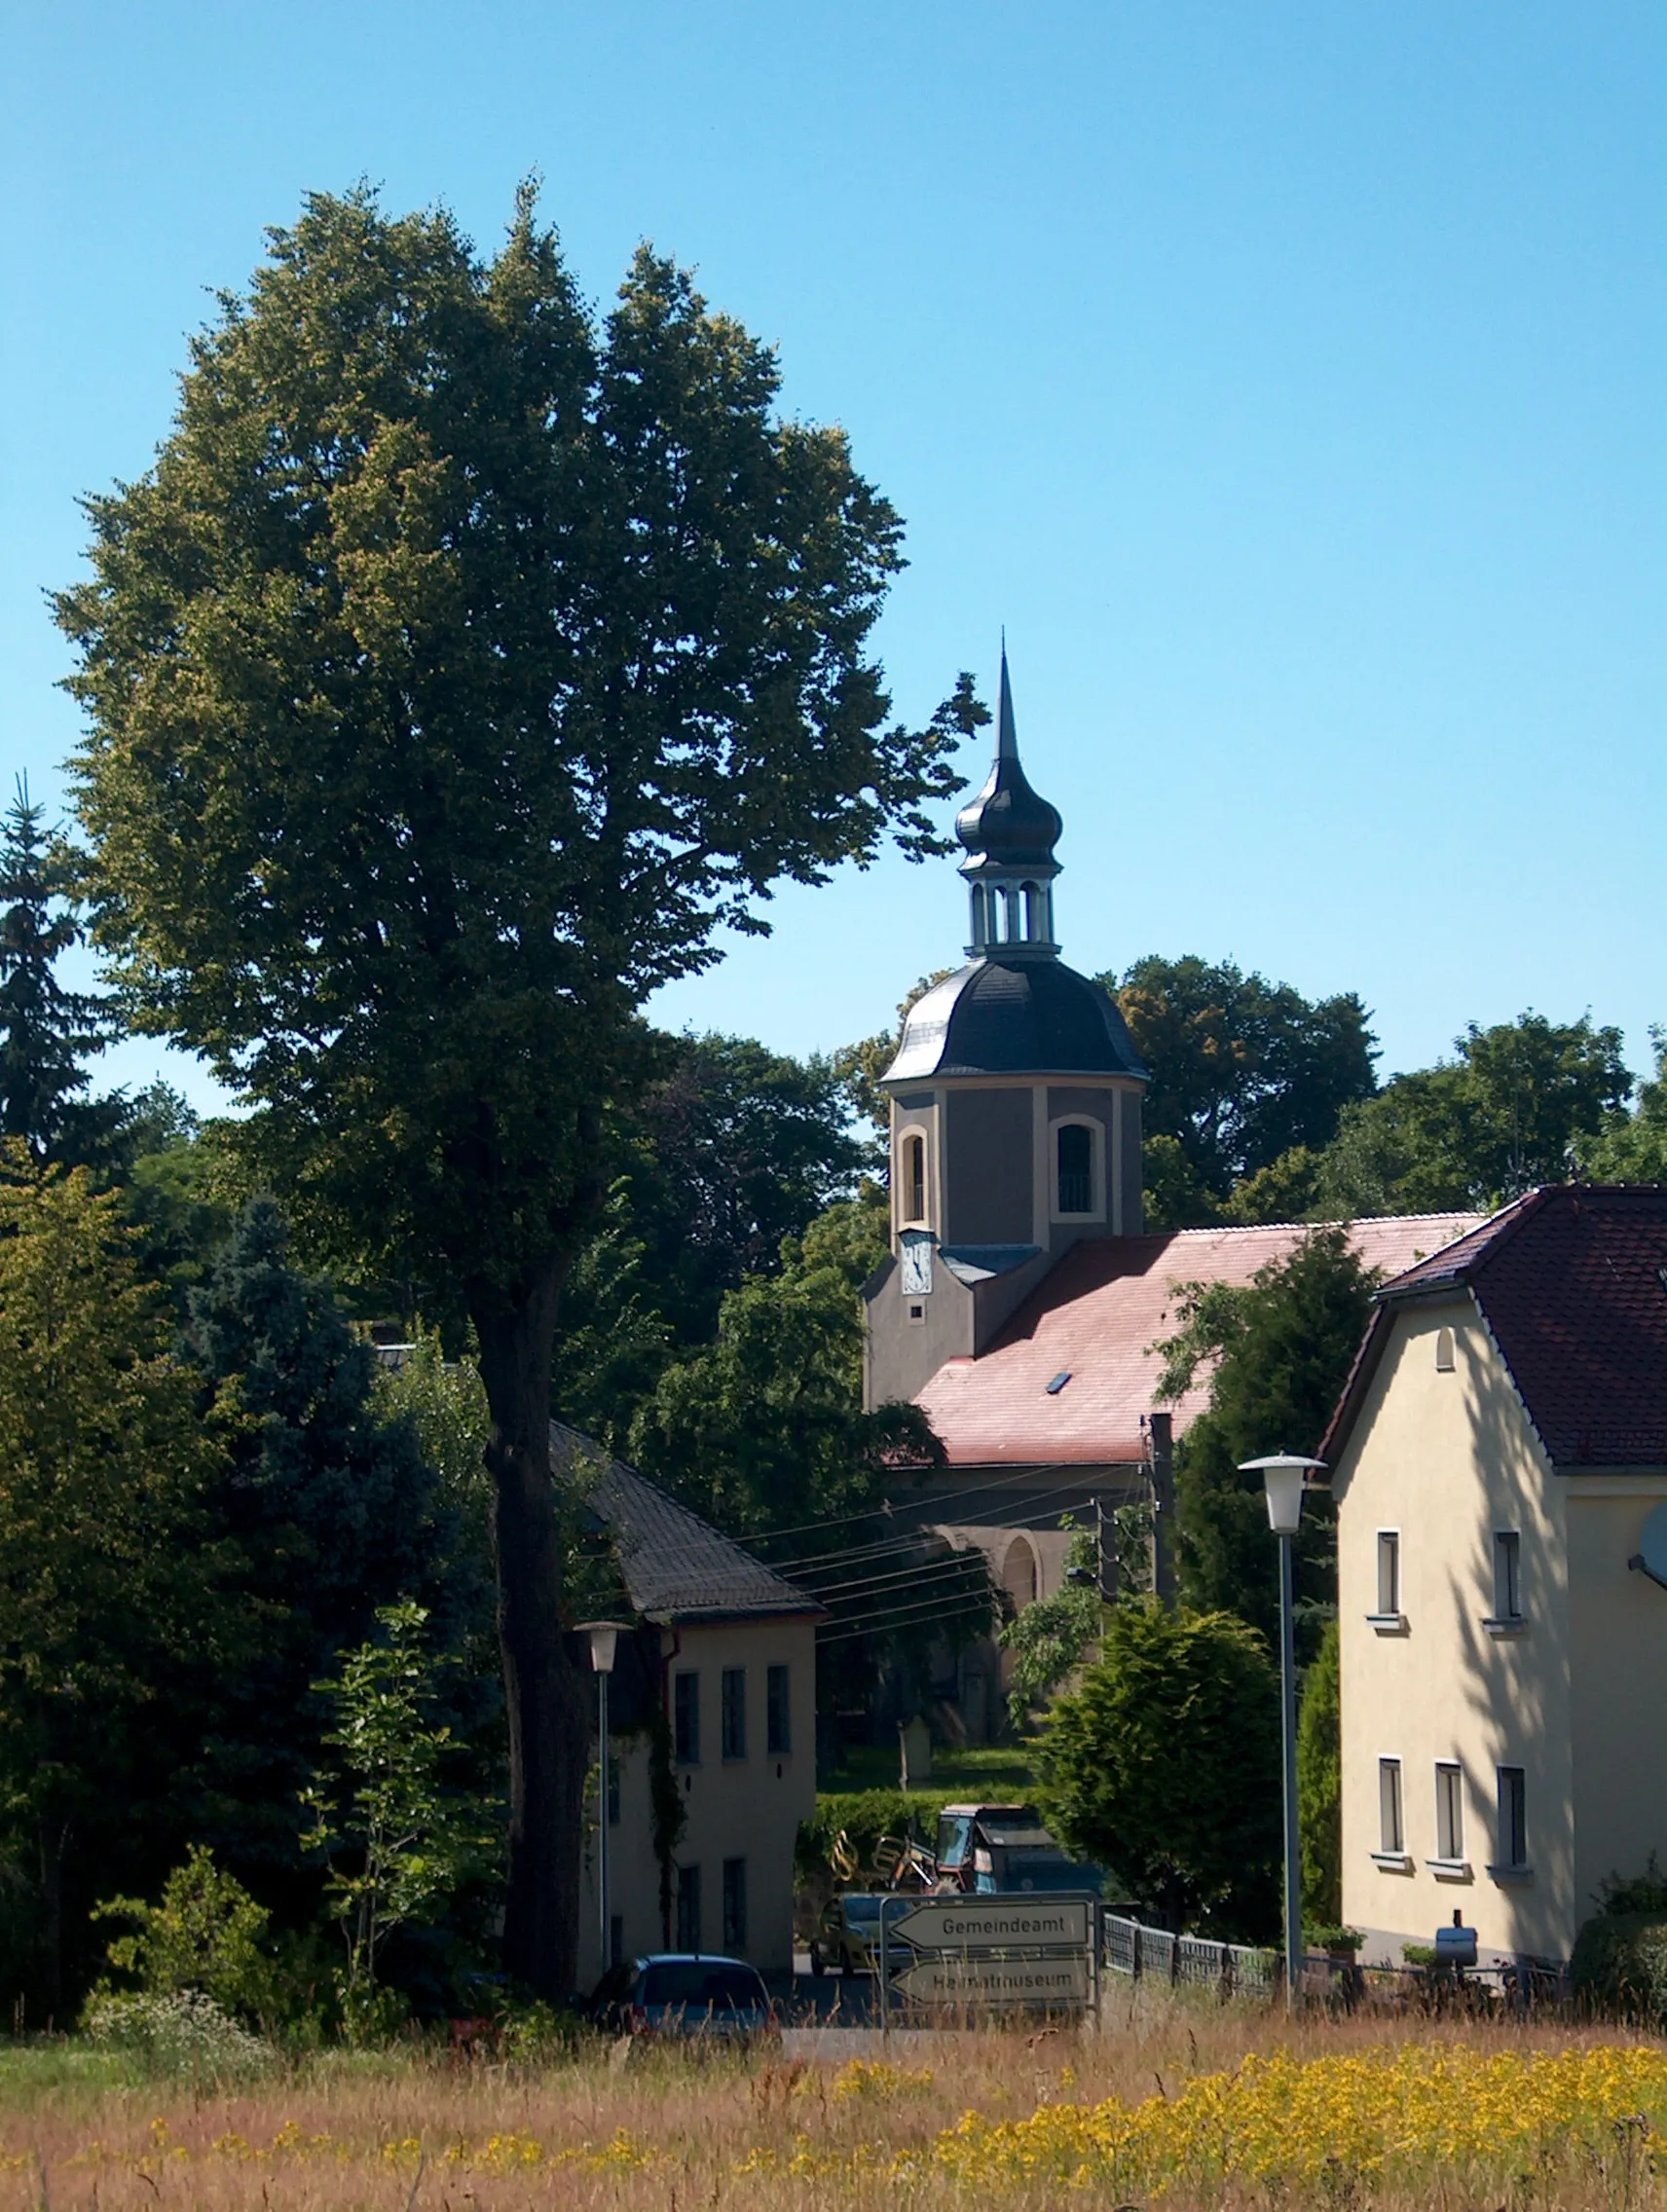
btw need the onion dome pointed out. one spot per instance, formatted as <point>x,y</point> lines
<point>1009,825</point>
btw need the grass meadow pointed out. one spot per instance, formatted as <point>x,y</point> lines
<point>1170,2103</point>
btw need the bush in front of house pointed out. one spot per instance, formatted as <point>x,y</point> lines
<point>1620,1955</point>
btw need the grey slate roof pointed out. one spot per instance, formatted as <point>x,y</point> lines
<point>677,1567</point>
<point>1015,1016</point>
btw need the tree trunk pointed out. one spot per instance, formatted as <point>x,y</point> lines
<point>54,1837</point>
<point>547,1743</point>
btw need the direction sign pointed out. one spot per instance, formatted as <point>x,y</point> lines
<point>996,1923</point>
<point>945,1980</point>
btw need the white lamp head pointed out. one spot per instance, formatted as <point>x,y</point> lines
<point>1283,1475</point>
<point>604,1638</point>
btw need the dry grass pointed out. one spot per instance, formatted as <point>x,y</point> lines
<point>683,2134</point>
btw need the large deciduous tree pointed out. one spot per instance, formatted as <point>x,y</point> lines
<point>459,667</point>
<point>1523,1102</point>
<point>1242,1069</point>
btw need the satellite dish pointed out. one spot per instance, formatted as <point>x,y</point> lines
<point>1650,1557</point>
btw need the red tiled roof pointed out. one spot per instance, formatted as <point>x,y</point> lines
<point>1095,1316</point>
<point>1572,1283</point>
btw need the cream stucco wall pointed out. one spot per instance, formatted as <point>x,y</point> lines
<point>1618,1637</point>
<point>1447,1458</point>
<point>747,1808</point>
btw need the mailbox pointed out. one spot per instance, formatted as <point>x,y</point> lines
<point>1456,1946</point>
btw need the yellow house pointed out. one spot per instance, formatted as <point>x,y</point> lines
<point>1500,1465</point>
<point>715,1688</point>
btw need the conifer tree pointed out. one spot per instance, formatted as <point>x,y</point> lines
<point>47,1033</point>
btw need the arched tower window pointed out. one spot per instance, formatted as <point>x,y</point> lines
<point>981,914</point>
<point>1009,901</point>
<point>1074,1163</point>
<point>1032,913</point>
<point>914,1178</point>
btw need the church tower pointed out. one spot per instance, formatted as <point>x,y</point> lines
<point>1014,1103</point>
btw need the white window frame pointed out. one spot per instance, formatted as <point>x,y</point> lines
<point>1511,1865</point>
<point>1387,1619</point>
<point>1449,1856</point>
<point>905,1136</point>
<point>1507,1617</point>
<point>1096,1166</point>
<point>1392,1851</point>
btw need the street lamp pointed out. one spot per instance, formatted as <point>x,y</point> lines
<point>1284,1475</point>
<point>604,1638</point>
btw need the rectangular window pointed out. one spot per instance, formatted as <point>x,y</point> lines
<point>778,1711</point>
<point>1513,1843</point>
<point>1391,1828</point>
<point>735,1905</point>
<point>1449,1811</point>
<point>1388,1574</point>
<point>734,1712</point>
<point>685,1719</point>
<point>1508,1576</point>
<point>689,1909</point>
<point>615,1937</point>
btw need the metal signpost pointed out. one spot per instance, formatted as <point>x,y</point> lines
<point>1019,1950</point>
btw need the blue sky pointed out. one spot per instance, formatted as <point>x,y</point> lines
<point>1289,379</point>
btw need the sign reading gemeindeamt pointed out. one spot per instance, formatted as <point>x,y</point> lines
<point>940,1978</point>
<point>993,1924</point>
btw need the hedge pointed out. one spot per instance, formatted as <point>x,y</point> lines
<point>865,1815</point>
<point>1620,1964</point>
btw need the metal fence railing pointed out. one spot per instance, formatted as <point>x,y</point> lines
<point>1130,1948</point>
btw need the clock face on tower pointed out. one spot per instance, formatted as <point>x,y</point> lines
<point>916,1261</point>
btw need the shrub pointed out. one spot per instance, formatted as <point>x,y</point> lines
<point>1620,1964</point>
<point>205,1936</point>
<point>181,2031</point>
<point>865,1816</point>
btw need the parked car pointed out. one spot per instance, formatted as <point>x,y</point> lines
<point>683,1993</point>
<point>847,1936</point>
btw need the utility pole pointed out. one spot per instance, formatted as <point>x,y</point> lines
<point>1161,1449</point>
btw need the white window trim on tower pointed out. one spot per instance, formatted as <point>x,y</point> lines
<point>1096,1165</point>
<point>906,1219</point>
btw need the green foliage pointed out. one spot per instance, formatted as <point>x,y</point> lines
<point>463,666</point>
<point>47,1033</point>
<point>1635,1892</point>
<point>1283,1348</point>
<point>765,1428</point>
<point>206,1933</point>
<point>1632,1148</point>
<point>1319,1783</point>
<point>1620,1965</point>
<point>534,648</point>
<point>1525,1102</point>
<point>731,1151</point>
<point>398,1841</point>
<point>112,1574</point>
<point>335,1509</point>
<point>1285,1190</point>
<point>178,2032</point>
<point>1243,1070</point>
<point>1164,1765</point>
<point>1051,1637</point>
<point>863,1817</point>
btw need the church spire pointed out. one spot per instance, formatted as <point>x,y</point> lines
<point>1009,832</point>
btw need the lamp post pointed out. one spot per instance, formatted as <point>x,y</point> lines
<point>604,1638</point>
<point>1283,1475</point>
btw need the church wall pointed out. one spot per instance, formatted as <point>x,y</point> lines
<point>903,1352</point>
<point>987,1161</point>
